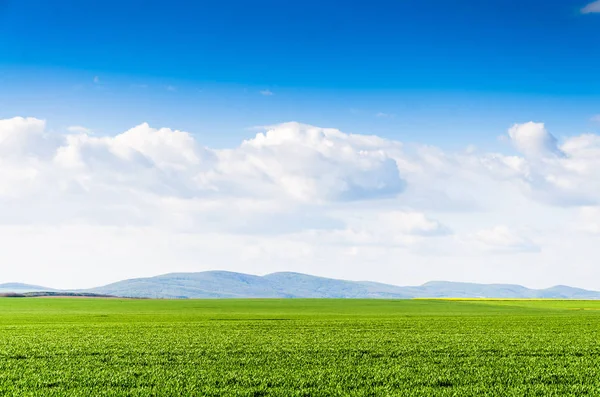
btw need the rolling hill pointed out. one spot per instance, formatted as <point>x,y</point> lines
<point>22,288</point>
<point>222,284</point>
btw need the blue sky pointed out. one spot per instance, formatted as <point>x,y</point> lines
<point>445,73</point>
<point>394,141</point>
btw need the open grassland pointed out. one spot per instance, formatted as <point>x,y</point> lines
<point>95,347</point>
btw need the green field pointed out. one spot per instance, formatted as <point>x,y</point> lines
<point>94,347</point>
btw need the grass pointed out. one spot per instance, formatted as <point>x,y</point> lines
<point>96,347</point>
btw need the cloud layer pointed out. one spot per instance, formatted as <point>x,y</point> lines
<point>298,197</point>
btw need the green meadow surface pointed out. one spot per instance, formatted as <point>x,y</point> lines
<point>102,347</point>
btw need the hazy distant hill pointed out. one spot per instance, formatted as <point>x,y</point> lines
<point>21,288</point>
<point>305,286</point>
<point>213,284</point>
<point>221,284</point>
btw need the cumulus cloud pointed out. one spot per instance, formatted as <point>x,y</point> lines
<point>532,139</point>
<point>291,162</point>
<point>591,8</point>
<point>23,138</point>
<point>295,163</point>
<point>313,164</point>
<point>561,175</point>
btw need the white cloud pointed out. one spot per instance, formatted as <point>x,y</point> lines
<point>414,223</point>
<point>532,139</point>
<point>266,92</point>
<point>503,239</point>
<point>25,138</point>
<point>382,115</point>
<point>588,220</point>
<point>314,164</point>
<point>296,197</point>
<point>384,228</point>
<point>591,8</point>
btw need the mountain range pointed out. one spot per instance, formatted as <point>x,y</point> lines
<point>222,284</point>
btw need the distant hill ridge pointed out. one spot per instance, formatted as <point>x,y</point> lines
<point>223,284</point>
<point>22,288</point>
